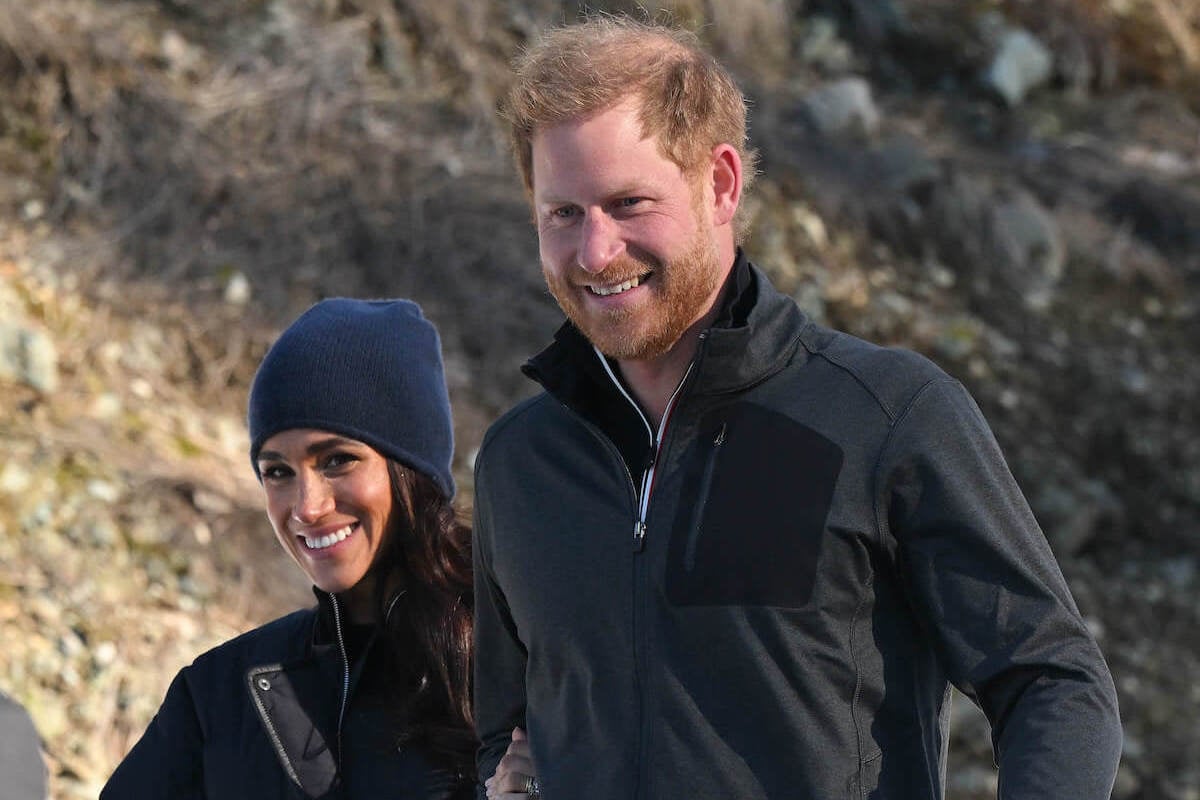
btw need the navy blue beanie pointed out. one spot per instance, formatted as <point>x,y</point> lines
<point>367,369</point>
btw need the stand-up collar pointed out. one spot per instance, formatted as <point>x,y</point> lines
<point>756,334</point>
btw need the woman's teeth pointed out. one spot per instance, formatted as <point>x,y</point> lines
<point>328,540</point>
<point>605,291</point>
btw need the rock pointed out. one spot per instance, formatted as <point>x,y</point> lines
<point>14,478</point>
<point>28,355</point>
<point>812,225</point>
<point>1021,64</point>
<point>181,56</point>
<point>141,388</point>
<point>33,210</point>
<point>1032,255</point>
<point>105,406</point>
<point>1135,380</point>
<point>148,533</point>
<point>104,654</point>
<point>98,531</point>
<point>237,290</point>
<point>1002,239</point>
<point>902,164</point>
<point>210,502</point>
<point>202,533</point>
<point>104,491</point>
<point>842,107</point>
<point>820,46</point>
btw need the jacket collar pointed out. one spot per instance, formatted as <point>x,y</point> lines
<point>324,633</point>
<point>756,333</point>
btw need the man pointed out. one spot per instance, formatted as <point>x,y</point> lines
<point>729,553</point>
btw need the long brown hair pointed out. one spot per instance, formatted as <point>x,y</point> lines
<point>428,626</point>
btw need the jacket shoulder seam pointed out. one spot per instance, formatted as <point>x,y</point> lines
<point>518,411</point>
<point>887,442</point>
<point>856,373</point>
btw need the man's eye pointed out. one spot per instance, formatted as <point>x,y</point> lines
<point>629,202</point>
<point>564,212</point>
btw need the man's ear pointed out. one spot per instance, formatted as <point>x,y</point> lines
<point>726,183</point>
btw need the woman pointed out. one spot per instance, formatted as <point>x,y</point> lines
<point>367,695</point>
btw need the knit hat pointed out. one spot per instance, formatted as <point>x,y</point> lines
<point>367,369</point>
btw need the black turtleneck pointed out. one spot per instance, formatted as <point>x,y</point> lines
<point>591,392</point>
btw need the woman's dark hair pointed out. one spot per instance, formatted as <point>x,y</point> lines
<point>428,628</point>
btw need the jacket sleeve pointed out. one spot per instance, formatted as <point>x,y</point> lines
<point>500,655</point>
<point>166,762</point>
<point>989,594</point>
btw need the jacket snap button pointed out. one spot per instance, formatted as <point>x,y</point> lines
<point>264,684</point>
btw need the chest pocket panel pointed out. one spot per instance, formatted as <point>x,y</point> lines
<point>756,492</point>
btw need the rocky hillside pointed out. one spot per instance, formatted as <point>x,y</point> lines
<point>1010,188</point>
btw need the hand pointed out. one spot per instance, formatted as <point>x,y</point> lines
<point>513,771</point>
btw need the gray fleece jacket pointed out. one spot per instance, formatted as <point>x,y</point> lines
<point>773,599</point>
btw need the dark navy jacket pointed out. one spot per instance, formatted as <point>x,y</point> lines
<point>775,601</point>
<point>258,718</point>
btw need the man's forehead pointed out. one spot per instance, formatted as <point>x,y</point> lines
<point>630,103</point>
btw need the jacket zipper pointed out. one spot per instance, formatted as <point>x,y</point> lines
<point>337,626</point>
<point>689,553</point>
<point>639,543</point>
<point>656,440</point>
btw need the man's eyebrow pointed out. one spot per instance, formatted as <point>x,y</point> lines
<point>624,190</point>
<point>552,200</point>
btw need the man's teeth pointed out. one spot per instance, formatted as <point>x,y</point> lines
<point>328,540</point>
<point>605,291</point>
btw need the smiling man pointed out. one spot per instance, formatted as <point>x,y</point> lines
<point>729,553</point>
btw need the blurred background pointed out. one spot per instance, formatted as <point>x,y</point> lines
<point>1010,187</point>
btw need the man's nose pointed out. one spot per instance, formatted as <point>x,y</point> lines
<point>314,499</point>
<point>599,241</point>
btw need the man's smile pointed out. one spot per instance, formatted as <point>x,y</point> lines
<point>609,289</point>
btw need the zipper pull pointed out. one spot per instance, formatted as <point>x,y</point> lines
<point>639,536</point>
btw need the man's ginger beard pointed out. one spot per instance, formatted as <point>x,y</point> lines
<point>679,291</point>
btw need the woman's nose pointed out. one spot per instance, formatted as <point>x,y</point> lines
<point>314,499</point>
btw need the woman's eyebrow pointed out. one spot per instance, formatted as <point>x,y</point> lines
<point>319,446</point>
<point>331,442</point>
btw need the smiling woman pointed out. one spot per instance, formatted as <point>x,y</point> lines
<point>368,693</point>
<point>329,500</point>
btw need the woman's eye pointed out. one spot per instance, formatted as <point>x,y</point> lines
<point>337,460</point>
<point>274,471</point>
